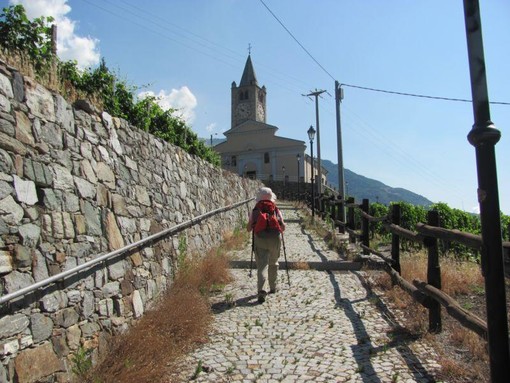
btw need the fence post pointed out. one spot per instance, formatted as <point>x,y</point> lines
<point>350,219</point>
<point>365,238</point>
<point>340,215</point>
<point>433,273</point>
<point>395,239</point>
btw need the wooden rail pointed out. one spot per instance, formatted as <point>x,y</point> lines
<point>428,234</point>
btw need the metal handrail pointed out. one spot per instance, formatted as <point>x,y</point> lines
<point>131,246</point>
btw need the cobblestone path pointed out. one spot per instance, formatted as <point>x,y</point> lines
<point>325,327</point>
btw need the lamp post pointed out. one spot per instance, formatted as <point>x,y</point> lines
<point>298,161</point>
<point>311,136</point>
<point>283,170</point>
<point>215,134</point>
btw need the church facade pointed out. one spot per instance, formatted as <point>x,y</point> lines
<point>252,148</point>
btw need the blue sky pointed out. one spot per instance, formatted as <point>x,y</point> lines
<point>189,52</point>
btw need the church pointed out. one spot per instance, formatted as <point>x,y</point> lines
<point>252,148</point>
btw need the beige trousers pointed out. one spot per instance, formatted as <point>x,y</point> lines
<point>267,252</point>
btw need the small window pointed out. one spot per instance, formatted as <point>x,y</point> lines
<point>266,157</point>
<point>246,95</point>
<point>241,96</point>
<point>233,161</point>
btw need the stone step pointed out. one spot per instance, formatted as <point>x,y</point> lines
<point>305,265</point>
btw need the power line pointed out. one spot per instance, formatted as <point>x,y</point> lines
<point>367,88</point>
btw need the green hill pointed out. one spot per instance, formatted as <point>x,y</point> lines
<point>360,187</point>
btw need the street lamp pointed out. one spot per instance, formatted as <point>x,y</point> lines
<point>311,136</point>
<point>215,134</point>
<point>298,162</point>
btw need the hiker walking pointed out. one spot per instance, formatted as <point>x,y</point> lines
<point>266,222</point>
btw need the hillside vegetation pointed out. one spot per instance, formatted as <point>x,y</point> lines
<point>27,45</point>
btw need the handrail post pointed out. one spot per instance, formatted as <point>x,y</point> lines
<point>395,239</point>
<point>433,274</point>
<point>365,238</point>
<point>350,219</point>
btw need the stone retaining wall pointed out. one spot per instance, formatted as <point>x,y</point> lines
<point>75,183</point>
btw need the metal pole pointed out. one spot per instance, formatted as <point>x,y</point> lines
<point>484,136</point>
<point>316,94</point>
<point>339,95</point>
<point>313,188</point>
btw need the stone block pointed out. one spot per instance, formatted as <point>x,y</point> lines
<point>22,256</point>
<point>34,364</point>
<point>10,347</point>
<point>89,329</point>
<point>66,317</point>
<point>41,326</point>
<point>5,262</point>
<point>73,335</point>
<point>15,281</point>
<point>92,218</point>
<point>10,211</point>
<point>39,267</point>
<point>5,189</point>
<point>119,205</point>
<point>10,144</point>
<point>59,344</point>
<point>40,101</point>
<point>24,129</point>
<point>11,325</point>
<point>6,165</point>
<point>137,304</point>
<point>8,128</point>
<point>111,289</point>
<point>116,269</point>
<point>30,234</point>
<point>85,188</point>
<point>87,305</point>
<point>53,301</point>
<point>25,191</point>
<point>5,104</point>
<point>5,86</point>
<point>62,178</point>
<point>71,202</point>
<point>80,249</point>
<point>18,87</point>
<point>106,175</point>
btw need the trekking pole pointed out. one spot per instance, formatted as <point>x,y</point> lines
<point>285,256</point>
<point>252,250</point>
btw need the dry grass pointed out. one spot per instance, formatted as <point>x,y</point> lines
<point>300,266</point>
<point>463,355</point>
<point>179,322</point>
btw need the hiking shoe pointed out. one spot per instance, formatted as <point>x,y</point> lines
<point>261,296</point>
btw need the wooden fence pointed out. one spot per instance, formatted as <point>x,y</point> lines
<point>428,234</point>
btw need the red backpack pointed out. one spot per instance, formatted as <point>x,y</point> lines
<point>265,218</point>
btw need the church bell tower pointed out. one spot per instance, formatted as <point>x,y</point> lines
<point>248,99</point>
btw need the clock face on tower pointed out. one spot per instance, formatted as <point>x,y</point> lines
<point>242,110</point>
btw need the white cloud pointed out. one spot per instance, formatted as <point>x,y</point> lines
<point>70,46</point>
<point>475,210</point>
<point>210,128</point>
<point>183,100</point>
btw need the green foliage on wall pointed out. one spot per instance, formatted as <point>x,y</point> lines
<point>33,39</point>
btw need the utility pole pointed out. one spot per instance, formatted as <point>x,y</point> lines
<point>316,94</point>
<point>339,95</point>
<point>484,136</point>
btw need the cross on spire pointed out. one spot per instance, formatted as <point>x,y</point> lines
<point>249,48</point>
